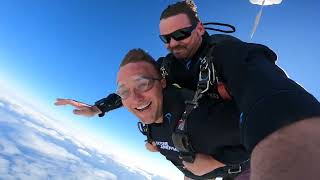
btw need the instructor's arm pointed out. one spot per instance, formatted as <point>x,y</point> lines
<point>289,153</point>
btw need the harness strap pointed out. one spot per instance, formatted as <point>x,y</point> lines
<point>207,80</point>
<point>228,171</point>
<point>208,77</point>
<point>164,69</point>
<point>145,130</point>
<point>207,74</point>
<point>180,137</point>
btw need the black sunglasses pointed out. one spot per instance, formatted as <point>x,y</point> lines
<point>178,35</point>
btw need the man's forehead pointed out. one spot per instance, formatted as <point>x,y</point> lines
<point>137,77</point>
<point>137,69</point>
<point>173,23</point>
<point>182,17</point>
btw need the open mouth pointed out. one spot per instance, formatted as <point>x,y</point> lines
<point>143,107</point>
<point>177,50</point>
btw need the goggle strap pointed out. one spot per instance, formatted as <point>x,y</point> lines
<point>232,28</point>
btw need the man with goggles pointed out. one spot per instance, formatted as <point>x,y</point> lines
<point>264,94</point>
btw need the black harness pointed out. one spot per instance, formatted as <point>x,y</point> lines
<point>207,79</point>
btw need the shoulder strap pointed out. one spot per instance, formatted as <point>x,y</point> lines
<point>207,79</point>
<point>145,129</point>
<point>180,136</point>
<point>209,68</point>
<point>165,66</point>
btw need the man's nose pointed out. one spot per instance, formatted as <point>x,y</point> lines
<point>173,43</point>
<point>136,95</point>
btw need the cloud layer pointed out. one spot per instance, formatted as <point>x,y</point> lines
<point>33,146</point>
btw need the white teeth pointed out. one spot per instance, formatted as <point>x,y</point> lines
<point>142,107</point>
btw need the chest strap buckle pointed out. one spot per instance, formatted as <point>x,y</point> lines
<point>182,143</point>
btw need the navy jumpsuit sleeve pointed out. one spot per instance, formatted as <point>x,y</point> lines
<point>267,98</point>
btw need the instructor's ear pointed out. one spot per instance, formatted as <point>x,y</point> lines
<point>163,83</point>
<point>200,28</point>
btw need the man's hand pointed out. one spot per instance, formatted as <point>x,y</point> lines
<point>152,147</point>
<point>80,108</point>
<point>202,164</point>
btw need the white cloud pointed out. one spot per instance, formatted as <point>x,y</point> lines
<point>20,168</point>
<point>142,164</point>
<point>73,140</point>
<point>5,118</point>
<point>25,170</point>
<point>49,132</point>
<point>7,147</point>
<point>37,143</point>
<point>1,104</point>
<point>18,109</point>
<point>84,152</point>
<point>4,166</point>
<point>87,174</point>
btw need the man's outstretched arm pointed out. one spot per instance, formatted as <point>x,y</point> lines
<point>111,102</point>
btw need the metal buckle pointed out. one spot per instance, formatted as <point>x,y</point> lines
<point>204,82</point>
<point>205,75</point>
<point>164,73</point>
<point>180,141</point>
<point>187,157</point>
<point>194,104</point>
<point>217,178</point>
<point>143,128</point>
<point>234,170</point>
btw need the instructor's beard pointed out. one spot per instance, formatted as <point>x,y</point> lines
<point>176,51</point>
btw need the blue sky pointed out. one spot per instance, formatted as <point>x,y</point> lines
<point>72,49</point>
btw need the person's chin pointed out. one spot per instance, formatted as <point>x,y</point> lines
<point>147,121</point>
<point>179,55</point>
<point>146,118</point>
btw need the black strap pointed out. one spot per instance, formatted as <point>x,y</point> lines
<point>207,78</point>
<point>207,74</point>
<point>145,130</point>
<point>165,67</point>
<point>229,171</point>
<point>112,101</point>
